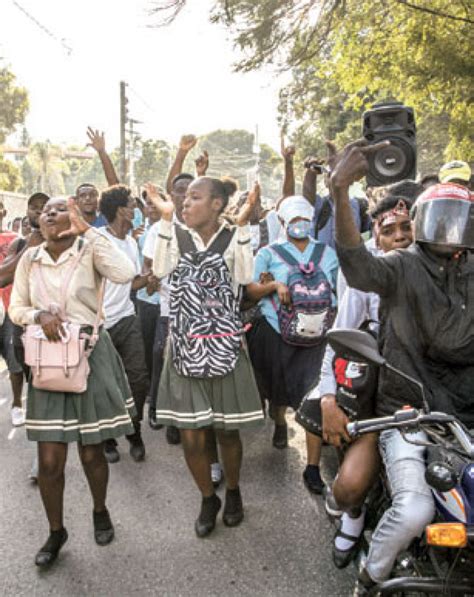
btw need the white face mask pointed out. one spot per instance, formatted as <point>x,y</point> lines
<point>299,230</point>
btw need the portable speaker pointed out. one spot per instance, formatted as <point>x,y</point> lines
<point>394,122</point>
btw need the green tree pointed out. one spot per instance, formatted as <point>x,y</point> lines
<point>343,54</point>
<point>13,109</point>
<point>10,176</point>
<point>13,103</point>
<point>153,164</point>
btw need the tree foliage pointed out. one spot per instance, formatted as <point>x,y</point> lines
<point>344,54</point>
<point>13,103</point>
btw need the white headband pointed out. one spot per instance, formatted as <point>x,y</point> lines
<point>295,207</point>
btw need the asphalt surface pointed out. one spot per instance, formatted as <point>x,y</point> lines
<point>282,547</point>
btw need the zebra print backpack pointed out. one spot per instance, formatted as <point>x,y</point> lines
<point>205,324</point>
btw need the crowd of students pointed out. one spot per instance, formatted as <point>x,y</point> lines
<point>215,311</point>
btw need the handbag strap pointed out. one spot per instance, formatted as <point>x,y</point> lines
<point>37,272</point>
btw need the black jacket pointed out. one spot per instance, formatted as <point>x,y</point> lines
<point>427,325</point>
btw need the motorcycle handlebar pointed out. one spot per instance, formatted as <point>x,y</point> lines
<point>408,418</point>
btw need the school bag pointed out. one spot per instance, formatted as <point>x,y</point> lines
<point>311,314</point>
<point>205,323</point>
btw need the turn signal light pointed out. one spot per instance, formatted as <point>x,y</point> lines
<point>447,534</point>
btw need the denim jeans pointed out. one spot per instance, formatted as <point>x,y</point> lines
<point>412,502</point>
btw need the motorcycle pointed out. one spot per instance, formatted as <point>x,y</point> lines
<point>442,561</point>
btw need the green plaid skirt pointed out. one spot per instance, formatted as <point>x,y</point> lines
<point>103,411</point>
<point>229,402</point>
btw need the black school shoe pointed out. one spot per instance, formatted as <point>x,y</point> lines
<point>110,450</point>
<point>152,419</point>
<point>137,447</point>
<point>172,436</point>
<point>343,557</point>
<point>206,521</point>
<point>280,437</point>
<point>103,527</point>
<point>312,479</point>
<point>49,552</point>
<point>233,509</point>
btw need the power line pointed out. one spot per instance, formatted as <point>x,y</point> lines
<point>43,28</point>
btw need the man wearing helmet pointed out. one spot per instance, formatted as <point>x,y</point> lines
<point>427,331</point>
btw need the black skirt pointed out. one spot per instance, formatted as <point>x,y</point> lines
<point>284,373</point>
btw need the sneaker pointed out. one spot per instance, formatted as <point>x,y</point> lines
<point>332,507</point>
<point>18,416</point>
<point>172,436</point>
<point>216,474</point>
<point>312,479</point>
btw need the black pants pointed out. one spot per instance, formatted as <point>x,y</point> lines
<point>127,338</point>
<point>161,336</point>
<point>148,316</point>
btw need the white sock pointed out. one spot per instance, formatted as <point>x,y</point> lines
<point>216,470</point>
<point>350,526</point>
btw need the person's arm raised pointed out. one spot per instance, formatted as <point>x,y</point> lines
<point>97,142</point>
<point>202,163</point>
<point>351,165</point>
<point>166,253</point>
<point>187,142</point>
<point>288,154</point>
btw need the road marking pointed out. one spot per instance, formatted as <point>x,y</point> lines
<point>12,434</point>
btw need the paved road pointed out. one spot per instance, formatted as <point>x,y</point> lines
<point>282,548</point>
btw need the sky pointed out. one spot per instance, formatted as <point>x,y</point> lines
<point>180,78</point>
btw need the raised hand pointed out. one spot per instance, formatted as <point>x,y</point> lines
<point>165,206</point>
<point>351,164</point>
<point>252,202</point>
<point>97,139</point>
<point>202,163</point>
<point>315,164</point>
<point>77,223</point>
<point>187,142</point>
<point>287,151</point>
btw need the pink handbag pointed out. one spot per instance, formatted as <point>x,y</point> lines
<point>61,366</point>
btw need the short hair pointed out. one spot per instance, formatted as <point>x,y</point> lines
<point>118,195</point>
<point>406,189</point>
<point>182,176</point>
<point>84,185</point>
<point>427,177</point>
<point>388,203</point>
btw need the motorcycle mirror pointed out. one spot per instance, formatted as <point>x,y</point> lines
<point>441,476</point>
<point>357,344</point>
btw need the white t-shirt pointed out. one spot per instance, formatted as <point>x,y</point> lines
<point>117,301</point>
<point>149,252</point>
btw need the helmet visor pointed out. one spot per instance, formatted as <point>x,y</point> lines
<point>446,222</point>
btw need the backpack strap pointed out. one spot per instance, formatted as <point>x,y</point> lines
<point>284,255</point>
<point>185,240</point>
<point>317,254</point>
<point>222,242</point>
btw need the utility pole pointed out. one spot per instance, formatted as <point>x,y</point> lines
<point>123,124</point>
<point>132,146</point>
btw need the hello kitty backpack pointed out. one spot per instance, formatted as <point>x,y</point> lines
<point>311,313</point>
